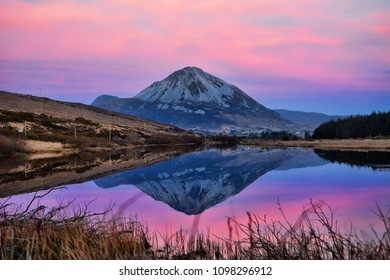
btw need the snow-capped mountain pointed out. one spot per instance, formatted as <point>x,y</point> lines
<point>193,85</point>
<point>193,99</point>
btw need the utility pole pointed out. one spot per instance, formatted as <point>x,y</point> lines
<point>170,132</point>
<point>109,135</point>
<point>75,134</point>
<point>25,129</point>
<point>40,95</point>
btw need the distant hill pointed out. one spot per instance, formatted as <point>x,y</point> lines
<point>51,120</point>
<point>193,99</point>
<point>307,120</point>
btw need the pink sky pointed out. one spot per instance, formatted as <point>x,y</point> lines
<point>291,54</point>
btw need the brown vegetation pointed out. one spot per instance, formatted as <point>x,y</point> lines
<point>82,134</point>
<point>10,145</point>
<point>316,235</point>
<point>380,144</point>
<point>50,234</point>
<point>81,126</point>
<point>42,233</point>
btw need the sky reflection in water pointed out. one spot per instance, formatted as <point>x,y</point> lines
<point>292,176</point>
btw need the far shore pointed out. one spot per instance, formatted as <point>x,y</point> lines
<point>331,144</point>
<point>44,149</point>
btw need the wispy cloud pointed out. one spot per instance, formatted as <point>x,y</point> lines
<point>322,44</point>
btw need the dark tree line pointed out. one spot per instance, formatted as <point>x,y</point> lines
<point>277,135</point>
<point>374,159</point>
<point>376,124</point>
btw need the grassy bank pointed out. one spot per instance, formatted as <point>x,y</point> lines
<point>26,132</point>
<point>32,132</point>
<point>331,144</point>
<point>43,233</point>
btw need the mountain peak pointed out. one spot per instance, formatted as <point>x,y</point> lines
<point>191,68</point>
<point>194,99</point>
<point>186,74</point>
<point>190,84</point>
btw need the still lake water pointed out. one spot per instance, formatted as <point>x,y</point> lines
<point>197,192</point>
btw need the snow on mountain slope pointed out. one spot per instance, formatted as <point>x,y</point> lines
<point>193,85</point>
<point>191,98</point>
<point>188,84</point>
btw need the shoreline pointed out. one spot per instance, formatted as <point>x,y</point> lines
<point>36,148</point>
<point>324,144</point>
<point>30,176</point>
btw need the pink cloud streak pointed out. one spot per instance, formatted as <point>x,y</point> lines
<point>311,41</point>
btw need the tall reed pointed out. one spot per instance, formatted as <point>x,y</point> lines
<point>69,232</point>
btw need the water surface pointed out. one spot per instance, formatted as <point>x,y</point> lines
<point>198,191</point>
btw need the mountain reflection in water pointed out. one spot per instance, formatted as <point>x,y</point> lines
<point>216,183</point>
<point>195,182</point>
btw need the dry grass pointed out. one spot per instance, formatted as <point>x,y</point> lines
<point>316,235</point>
<point>42,233</point>
<point>336,144</point>
<point>34,146</point>
<point>83,126</point>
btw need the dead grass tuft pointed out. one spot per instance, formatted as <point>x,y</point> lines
<point>43,233</point>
